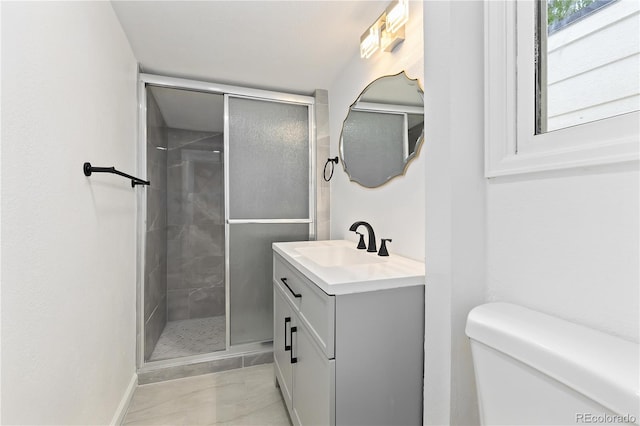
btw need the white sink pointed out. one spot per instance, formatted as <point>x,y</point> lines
<point>338,267</point>
<point>330,256</point>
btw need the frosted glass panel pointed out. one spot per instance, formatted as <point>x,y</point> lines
<point>268,160</point>
<point>250,275</point>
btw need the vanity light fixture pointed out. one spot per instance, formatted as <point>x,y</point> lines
<point>370,41</point>
<point>397,15</point>
<point>388,30</point>
<point>389,40</point>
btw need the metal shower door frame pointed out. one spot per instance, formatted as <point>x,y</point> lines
<point>145,80</point>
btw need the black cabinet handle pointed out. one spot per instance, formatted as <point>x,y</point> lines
<point>284,281</point>
<point>293,358</point>
<point>286,347</point>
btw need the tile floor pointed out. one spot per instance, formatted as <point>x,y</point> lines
<point>245,396</point>
<point>190,337</point>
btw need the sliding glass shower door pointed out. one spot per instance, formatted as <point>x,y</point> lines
<point>232,171</point>
<point>268,158</point>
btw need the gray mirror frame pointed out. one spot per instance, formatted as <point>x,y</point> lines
<point>409,159</point>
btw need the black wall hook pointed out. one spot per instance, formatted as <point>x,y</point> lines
<point>333,162</point>
<point>87,168</point>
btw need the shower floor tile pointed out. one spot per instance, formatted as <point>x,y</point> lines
<point>190,337</point>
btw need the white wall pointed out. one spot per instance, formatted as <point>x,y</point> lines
<point>452,220</point>
<point>566,243</point>
<point>68,242</point>
<point>395,210</point>
<point>455,205</point>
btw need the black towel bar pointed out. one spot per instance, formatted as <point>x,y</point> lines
<point>87,168</point>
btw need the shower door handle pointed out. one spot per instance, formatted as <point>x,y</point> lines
<point>294,359</point>
<point>286,347</point>
<point>284,281</point>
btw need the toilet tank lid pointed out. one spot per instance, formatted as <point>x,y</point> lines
<point>600,366</point>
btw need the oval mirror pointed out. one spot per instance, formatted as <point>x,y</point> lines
<point>383,131</point>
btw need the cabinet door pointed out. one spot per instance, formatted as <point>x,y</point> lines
<point>282,321</point>
<point>313,381</point>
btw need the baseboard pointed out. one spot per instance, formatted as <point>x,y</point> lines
<point>121,411</point>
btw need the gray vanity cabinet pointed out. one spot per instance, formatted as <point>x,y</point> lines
<point>303,359</point>
<point>347,359</point>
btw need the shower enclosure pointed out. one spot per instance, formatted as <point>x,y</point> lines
<point>231,171</point>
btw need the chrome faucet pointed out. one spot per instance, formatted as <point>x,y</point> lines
<point>372,236</point>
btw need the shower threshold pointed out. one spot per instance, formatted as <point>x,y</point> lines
<point>236,356</point>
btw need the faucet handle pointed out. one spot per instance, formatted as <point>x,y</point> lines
<point>383,247</point>
<point>361,244</point>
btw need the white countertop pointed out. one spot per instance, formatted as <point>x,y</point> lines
<point>389,272</point>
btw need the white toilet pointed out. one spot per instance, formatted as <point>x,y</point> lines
<point>535,369</point>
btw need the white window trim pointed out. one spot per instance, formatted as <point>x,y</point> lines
<point>511,147</point>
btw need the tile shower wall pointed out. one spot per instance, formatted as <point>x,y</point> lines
<point>155,282</point>
<point>195,233</point>
<point>323,196</point>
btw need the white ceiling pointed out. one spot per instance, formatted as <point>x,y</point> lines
<point>291,46</point>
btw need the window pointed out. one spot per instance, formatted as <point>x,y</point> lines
<point>562,84</point>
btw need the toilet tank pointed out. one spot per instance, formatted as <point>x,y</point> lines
<point>536,369</point>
